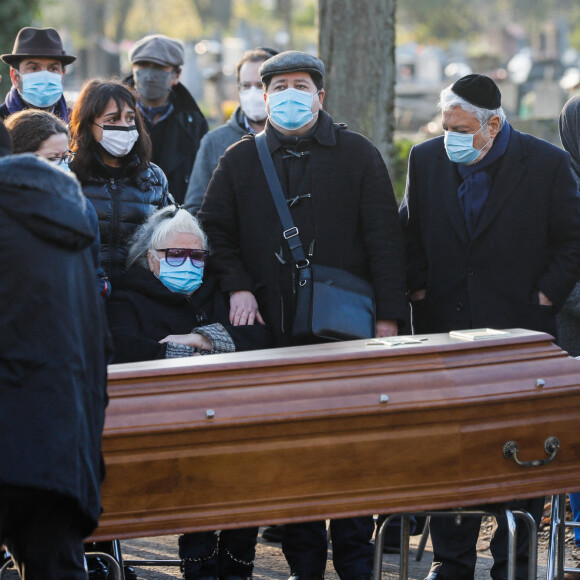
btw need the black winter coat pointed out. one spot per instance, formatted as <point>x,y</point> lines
<point>347,217</point>
<point>527,239</point>
<point>52,344</point>
<point>176,139</point>
<point>122,204</point>
<point>142,311</point>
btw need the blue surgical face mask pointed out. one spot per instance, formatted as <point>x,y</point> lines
<point>291,109</point>
<point>41,89</point>
<point>62,164</point>
<point>186,278</point>
<point>459,146</point>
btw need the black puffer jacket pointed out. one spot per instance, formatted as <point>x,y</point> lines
<point>52,345</point>
<point>122,204</point>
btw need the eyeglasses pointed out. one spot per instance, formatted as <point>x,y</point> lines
<point>66,158</point>
<point>246,86</point>
<point>177,256</point>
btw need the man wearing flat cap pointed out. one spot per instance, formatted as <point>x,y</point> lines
<point>491,219</point>
<point>342,203</point>
<point>173,118</point>
<point>37,68</point>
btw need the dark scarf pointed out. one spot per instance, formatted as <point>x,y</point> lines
<point>569,124</point>
<point>151,112</point>
<point>15,103</point>
<point>474,190</point>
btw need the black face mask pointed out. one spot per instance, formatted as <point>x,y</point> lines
<point>152,83</point>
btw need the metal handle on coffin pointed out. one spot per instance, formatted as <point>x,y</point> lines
<point>551,446</point>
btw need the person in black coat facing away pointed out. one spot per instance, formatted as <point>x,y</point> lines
<point>41,132</point>
<point>491,219</point>
<point>168,306</point>
<point>52,370</point>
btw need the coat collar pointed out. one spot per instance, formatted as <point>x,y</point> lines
<point>141,280</point>
<point>324,133</point>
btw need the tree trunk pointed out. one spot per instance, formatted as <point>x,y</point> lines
<point>357,45</point>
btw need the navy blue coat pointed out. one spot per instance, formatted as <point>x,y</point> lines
<point>527,239</point>
<point>52,344</point>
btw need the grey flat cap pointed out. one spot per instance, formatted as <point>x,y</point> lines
<point>159,49</point>
<point>291,61</point>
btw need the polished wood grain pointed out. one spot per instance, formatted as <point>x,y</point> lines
<point>301,433</point>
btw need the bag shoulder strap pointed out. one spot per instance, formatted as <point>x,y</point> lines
<point>290,232</point>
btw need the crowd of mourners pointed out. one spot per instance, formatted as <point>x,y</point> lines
<point>129,232</point>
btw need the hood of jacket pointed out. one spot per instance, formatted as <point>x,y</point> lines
<point>45,200</point>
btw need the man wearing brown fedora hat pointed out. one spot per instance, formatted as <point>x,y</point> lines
<point>37,67</point>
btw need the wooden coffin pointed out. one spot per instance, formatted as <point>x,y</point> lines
<point>338,429</point>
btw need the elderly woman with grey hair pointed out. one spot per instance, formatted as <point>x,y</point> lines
<point>168,305</point>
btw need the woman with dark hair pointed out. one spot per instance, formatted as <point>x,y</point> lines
<point>112,161</point>
<point>44,134</point>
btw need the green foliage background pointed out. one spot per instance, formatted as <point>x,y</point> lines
<point>14,15</point>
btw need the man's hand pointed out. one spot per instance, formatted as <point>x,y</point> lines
<point>386,328</point>
<point>544,300</point>
<point>244,309</point>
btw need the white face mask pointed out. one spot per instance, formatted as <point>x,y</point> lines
<point>118,141</point>
<point>253,104</point>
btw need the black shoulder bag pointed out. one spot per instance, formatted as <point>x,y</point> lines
<point>331,304</point>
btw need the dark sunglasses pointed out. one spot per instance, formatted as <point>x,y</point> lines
<point>177,256</point>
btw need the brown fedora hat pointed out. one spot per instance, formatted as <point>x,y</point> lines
<point>39,43</point>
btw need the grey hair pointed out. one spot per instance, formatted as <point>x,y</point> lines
<point>158,227</point>
<point>449,100</point>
